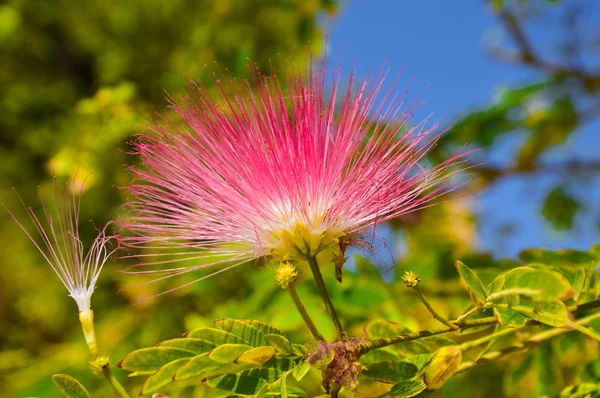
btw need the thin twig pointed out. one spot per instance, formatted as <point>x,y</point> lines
<point>314,267</point>
<point>303,313</point>
<point>433,312</point>
<point>533,341</point>
<point>380,343</point>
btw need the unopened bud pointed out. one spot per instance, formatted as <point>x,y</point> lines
<point>410,279</point>
<point>285,273</point>
<point>98,364</point>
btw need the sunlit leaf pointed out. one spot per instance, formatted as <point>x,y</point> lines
<point>390,371</point>
<point>216,336</point>
<point>442,367</point>
<point>198,365</point>
<point>253,336</point>
<point>197,346</point>
<point>550,284</point>
<point>228,353</point>
<point>471,281</point>
<point>163,376</point>
<point>406,389</point>
<point>240,384</point>
<point>70,387</point>
<point>153,358</point>
<point>256,356</point>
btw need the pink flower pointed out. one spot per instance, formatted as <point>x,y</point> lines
<point>281,171</point>
<point>61,247</point>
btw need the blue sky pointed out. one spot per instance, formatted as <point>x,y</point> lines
<point>444,43</point>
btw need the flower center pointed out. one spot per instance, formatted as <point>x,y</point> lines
<point>297,240</point>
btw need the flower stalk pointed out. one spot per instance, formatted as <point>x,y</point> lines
<point>86,318</point>
<point>291,289</point>
<point>411,280</point>
<point>314,267</point>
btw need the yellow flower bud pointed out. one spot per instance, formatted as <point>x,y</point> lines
<point>98,364</point>
<point>285,273</point>
<point>410,279</point>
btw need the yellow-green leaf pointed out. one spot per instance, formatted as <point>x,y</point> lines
<point>471,280</point>
<point>281,344</point>
<point>256,356</point>
<point>552,313</point>
<point>70,387</point>
<point>552,285</point>
<point>390,371</point>
<point>263,327</point>
<point>228,353</point>
<point>301,370</point>
<point>196,366</point>
<point>380,329</point>
<point>509,317</point>
<point>152,359</point>
<point>442,367</point>
<point>215,336</point>
<point>407,389</point>
<point>240,384</point>
<point>248,333</point>
<point>197,346</point>
<point>163,376</point>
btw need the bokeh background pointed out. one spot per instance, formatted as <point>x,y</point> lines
<point>518,79</point>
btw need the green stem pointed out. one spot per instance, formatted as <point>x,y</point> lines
<point>486,339</point>
<point>314,267</point>
<point>532,342</point>
<point>380,343</point>
<point>114,382</point>
<point>461,320</point>
<point>433,312</point>
<point>302,310</point>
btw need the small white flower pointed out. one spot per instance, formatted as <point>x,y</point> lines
<point>62,248</point>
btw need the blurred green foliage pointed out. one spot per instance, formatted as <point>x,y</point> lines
<point>80,79</point>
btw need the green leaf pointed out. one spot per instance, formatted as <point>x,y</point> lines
<point>560,257</point>
<point>552,313</point>
<point>420,361</point>
<point>412,347</point>
<point>509,317</point>
<point>198,365</point>
<point>216,336</point>
<point>228,353</point>
<point>197,346</point>
<point>380,354</point>
<point>163,376</point>
<point>390,371</point>
<point>552,285</point>
<point>575,276</point>
<point>282,364</point>
<point>442,367</point>
<point>70,387</point>
<point>269,375</point>
<point>256,356</point>
<point>263,327</point>
<point>595,324</point>
<point>152,359</point>
<point>510,282</point>
<point>406,389</point>
<point>301,370</point>
<point>250,334</point>
<point>380,329</point>
<point>471,281</point>
<point>582,390</point>
<point>559,208</point>
<point>238,383</point>
<point>281,344</point>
